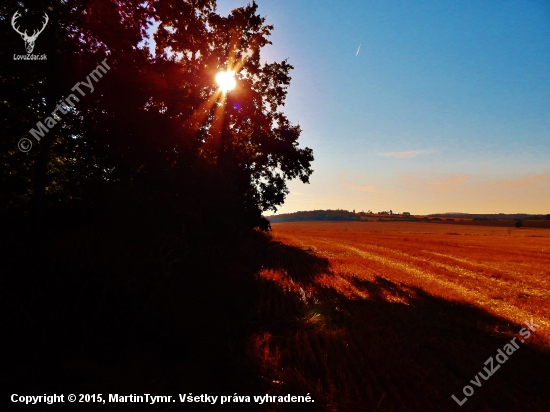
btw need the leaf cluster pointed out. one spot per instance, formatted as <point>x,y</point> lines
<point>152,128</point>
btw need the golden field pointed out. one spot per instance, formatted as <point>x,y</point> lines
<point>399,316</point>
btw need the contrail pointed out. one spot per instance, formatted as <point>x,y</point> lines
<point>356,54</point>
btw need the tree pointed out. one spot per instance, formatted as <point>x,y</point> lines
<point>156,128</point>
<point>518,224</point>
<point>30,90</point>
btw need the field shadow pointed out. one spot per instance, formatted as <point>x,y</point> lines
<point>92,312</point>
<point>97,311</point>
<point>376,345</point>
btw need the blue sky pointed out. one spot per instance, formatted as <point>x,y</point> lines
<point>445,108</point>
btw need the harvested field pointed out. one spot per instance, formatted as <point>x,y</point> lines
<point>399,316</point>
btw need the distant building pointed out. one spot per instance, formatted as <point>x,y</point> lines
<point>406,214</point>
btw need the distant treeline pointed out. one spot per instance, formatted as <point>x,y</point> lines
<point>314,215</point>
<point>493,216</point>
<point>341,215</point>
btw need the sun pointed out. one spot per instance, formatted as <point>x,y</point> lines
<point>226,80</point>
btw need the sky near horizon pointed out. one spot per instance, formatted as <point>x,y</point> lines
<point>446,107</point>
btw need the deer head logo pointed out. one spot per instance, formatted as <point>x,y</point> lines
<point>29,40</point>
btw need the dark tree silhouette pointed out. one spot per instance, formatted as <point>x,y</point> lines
<point>155,128</point>
<point>143,194</point>
<point>265,224</point>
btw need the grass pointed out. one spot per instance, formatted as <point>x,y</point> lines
<point>375,318</point>
<point>388,316</point>
<point>96,311</point>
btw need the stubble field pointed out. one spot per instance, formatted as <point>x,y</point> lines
<point>399,316</point>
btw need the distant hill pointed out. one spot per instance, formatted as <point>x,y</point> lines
<point>492,216</point>
<point>329,215</point>
<point>346,215</point>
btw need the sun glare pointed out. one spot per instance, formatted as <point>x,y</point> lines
<point>226,80</point>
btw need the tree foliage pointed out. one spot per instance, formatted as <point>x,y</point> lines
<point>152,132</point>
